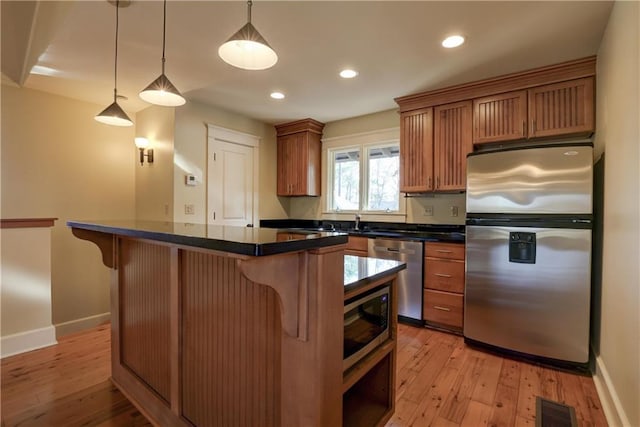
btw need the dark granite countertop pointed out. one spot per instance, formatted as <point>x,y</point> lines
<point>370,229</point>
<point>238,240</point>
<point>359,271</point>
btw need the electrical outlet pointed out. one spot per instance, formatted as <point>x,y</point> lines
<point>454,211</point>
<point>189,210</point>
<point>428,210</point>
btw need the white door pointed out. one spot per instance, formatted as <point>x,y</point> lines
<point>231,182</point>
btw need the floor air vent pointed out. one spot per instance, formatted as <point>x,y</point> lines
<point>554,414</point>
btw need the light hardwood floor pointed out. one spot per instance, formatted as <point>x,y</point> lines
<point>441,382</point>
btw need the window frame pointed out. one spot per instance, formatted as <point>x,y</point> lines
<point>364,149</point>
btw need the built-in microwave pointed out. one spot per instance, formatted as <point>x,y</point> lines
<point>366,324</point>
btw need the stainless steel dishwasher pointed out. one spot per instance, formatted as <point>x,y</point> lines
<point>409,280</point>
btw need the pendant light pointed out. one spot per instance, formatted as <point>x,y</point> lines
<point>114,114</point>
<point>247,49</point>
<point>161,91</point>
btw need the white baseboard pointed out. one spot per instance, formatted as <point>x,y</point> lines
<point>26,341</point>
<point>78,325</point>
<point>613,410</point>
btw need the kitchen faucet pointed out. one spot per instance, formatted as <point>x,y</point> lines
<point>357,226</point>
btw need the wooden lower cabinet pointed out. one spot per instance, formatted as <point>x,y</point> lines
<point>444,285</point>
<point>444,308</point>
<point>358,246</point>
<point>444,275</point>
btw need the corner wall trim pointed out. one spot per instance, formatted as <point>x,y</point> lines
<point>611,405</point>
<point>77,325</point>
<point>27,341</point>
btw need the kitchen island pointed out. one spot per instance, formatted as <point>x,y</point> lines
<point>226,326</point>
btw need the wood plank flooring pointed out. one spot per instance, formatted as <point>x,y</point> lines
<point>441,382</point>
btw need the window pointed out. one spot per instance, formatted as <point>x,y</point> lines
<point>368,182</point>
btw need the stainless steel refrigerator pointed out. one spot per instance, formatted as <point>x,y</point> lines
<point>528,250</point>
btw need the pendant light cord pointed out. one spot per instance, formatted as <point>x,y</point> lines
<point>115,70</point>
<point>250,3</point>
<point>164,32</point>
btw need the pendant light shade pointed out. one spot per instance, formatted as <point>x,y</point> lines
<point>247,49</point>
<point>114,115</point>
<point>161,91</point>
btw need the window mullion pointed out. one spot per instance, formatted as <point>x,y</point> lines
<point>364,172</point>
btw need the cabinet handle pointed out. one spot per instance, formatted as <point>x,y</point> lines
<point>524,124</point>
<point>437,182</point>
<point>533,127</point>
<point>441,275</point>
<point>437,307</point>
<point>443,251</point>
<point>429,182</point>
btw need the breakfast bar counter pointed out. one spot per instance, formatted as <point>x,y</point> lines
<point>227,326</point>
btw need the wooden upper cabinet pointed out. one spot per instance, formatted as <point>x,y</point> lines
<point>416,150</point>
<point>559,109</point>
<point>299,151</point>
<point>562,109</point>
<point>500,117</point>
<point>452,141</point>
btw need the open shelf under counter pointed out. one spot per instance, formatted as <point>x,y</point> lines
<point>370,399</point>
<point>369,385</point>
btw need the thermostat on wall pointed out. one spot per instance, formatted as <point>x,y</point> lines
<point>190,180</point>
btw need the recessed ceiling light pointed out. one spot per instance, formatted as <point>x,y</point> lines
<point>277,95</point>
<point>453,41</point>
<point>348,74</point>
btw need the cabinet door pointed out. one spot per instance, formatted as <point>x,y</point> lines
<point>452,141</point>
<point>285,165</point>
<point>297,164</point>
<point>312,168</point>
<point>416,150</point>
<point>500,117</point>
<point>562,109</point>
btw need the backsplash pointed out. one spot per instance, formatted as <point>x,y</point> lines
<point>417,209</point>
<point>436,209</point>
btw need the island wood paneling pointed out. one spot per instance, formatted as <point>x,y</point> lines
<point>231,340</point>
<point>296,333</point>
<point>144,313</point>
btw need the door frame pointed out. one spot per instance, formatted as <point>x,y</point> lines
<point>239,138</point>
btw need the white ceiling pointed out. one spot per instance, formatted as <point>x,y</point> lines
<point>394,45</point>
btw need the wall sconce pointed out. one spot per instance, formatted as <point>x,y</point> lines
<point>143,144</point>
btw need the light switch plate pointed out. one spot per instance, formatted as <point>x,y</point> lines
<point>428,210</point>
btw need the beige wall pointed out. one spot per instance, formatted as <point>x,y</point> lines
<point>618,135</point>
<point>190,156</point>
<point>25,297</point>
<point>441,204</point>
<point>154,181</point>
<point>57,161</point>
